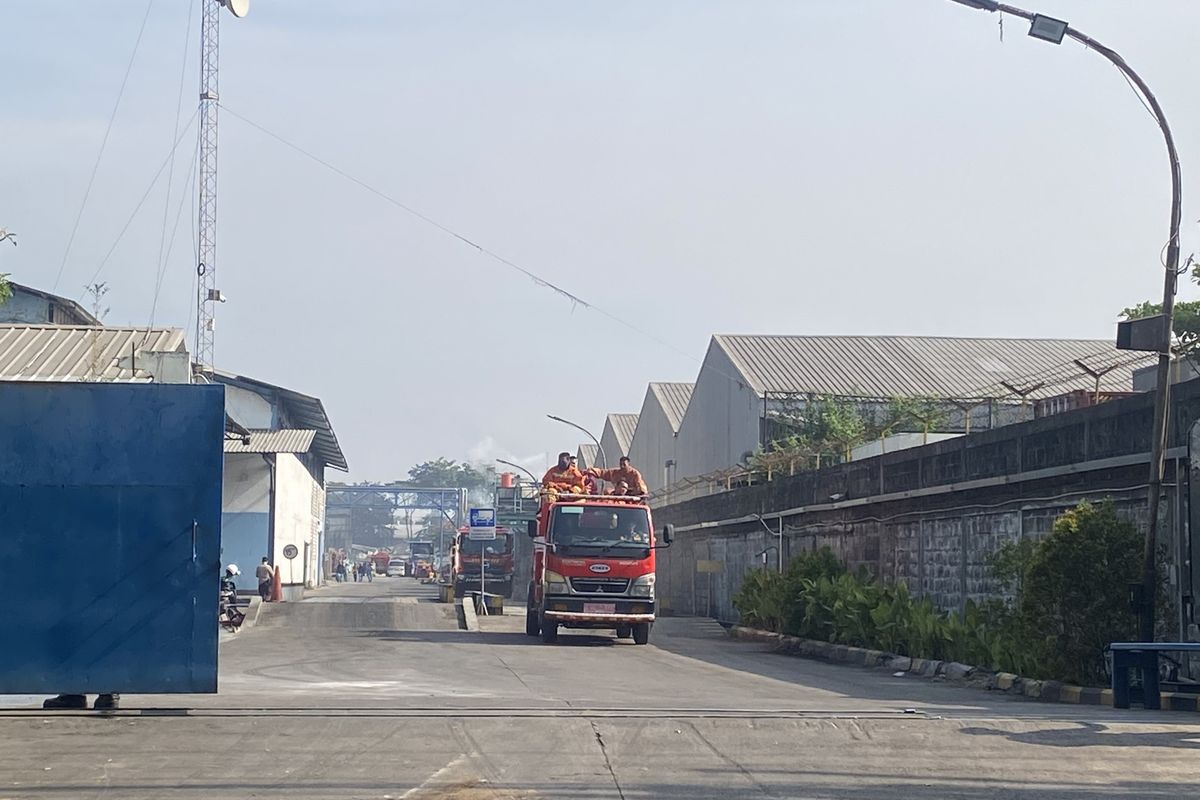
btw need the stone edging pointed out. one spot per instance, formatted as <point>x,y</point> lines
<point>951,671</point>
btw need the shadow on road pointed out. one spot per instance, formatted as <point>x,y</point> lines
<point>509,638</point>
<point>704,640</point>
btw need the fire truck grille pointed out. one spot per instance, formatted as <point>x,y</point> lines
<point>600,585</point>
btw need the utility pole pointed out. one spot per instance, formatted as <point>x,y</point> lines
<point>1054,30</point>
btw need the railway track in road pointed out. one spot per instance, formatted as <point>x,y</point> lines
<point>477,712</point>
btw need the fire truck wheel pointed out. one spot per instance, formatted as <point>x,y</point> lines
<point>641,633</point>
<point>549,631</point>
<point>624,631</point>
<point>533,625</point>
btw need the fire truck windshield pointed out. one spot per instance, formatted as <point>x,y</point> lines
<point>493,547</point>
<point>583,529</point>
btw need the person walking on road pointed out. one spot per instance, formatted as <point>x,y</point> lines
<point>266,579</point>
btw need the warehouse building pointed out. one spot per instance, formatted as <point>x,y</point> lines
<point>617,436</point>
<point>653,447</point>
<point>745,383</point>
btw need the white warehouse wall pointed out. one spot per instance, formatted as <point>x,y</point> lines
<point>294,487</point>
<point>653,442</point>
<point>722,419</point>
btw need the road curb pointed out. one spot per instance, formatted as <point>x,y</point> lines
<point>468,612</point>
<point>964,675</point>
<point>256,607</point>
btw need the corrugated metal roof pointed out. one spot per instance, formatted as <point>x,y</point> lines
<point>916,366</point>
<point>623,426</point>
<point>282,441</point>
<point>587,453</point>
<point>674,399</point>
<point>303,410</point>
<point>78,353</point>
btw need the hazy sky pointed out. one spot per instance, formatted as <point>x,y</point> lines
<point>836,167</point>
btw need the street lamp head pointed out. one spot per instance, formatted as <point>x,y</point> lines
<point>1048,29</point>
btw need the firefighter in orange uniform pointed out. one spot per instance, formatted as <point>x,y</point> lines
<point>625,472</point>
<point>564,478</point>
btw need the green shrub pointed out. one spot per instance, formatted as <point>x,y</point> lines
<point>1072,592</point>
<point>772,601</point>
<point>1070,603</point>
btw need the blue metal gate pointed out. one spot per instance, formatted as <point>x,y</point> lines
<point>110,509</point>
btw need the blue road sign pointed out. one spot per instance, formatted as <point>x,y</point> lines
<point>481,523</point>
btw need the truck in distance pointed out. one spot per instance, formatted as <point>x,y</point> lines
<point>497,569</point>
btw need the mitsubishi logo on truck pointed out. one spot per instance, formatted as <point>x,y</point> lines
<point>599,568</point>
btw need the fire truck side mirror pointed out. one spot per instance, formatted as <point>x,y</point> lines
<point>668,533</point>
<point>531,528</point>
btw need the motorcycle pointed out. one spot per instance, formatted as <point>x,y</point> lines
<point>229,609</point>
<point>230,614</point>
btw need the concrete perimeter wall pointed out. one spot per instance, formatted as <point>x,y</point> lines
<point>930,516</point>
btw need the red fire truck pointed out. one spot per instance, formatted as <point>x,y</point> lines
<point>497,571</point>
<point>593,566</point>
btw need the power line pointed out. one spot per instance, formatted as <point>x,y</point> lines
<point>574,299</point>
<point>103,143</point>
<point>188,192</point>
<point>142,202</point>
<point>162,238</point>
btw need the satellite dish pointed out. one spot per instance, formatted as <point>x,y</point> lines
<point>239,8</point>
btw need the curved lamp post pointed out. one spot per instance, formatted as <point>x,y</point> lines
<point>599,449</point>
<point>1055,30</point>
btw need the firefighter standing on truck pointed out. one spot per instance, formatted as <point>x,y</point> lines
<point>565,478</point>
<point>625,472</point>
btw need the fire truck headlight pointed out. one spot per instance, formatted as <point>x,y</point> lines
<point>643,587</point>
<point>555,583</point>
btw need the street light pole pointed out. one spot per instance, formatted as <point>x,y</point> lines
<point>599,449</point>
<point>532,477</point>
<point>1040,26</point>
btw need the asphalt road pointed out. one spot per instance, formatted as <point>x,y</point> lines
<point>372,691</point>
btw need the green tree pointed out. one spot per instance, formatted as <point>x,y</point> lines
<point>814,426</point>
<point>844,424</point>
<point>5,288</point>
<point>927,413</point>
<point>446,473</point>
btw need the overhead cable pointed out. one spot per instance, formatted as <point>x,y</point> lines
<point>103,143</point>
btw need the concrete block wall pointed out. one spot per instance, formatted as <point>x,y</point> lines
<point>930,517</point>
<point>942,557</point>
